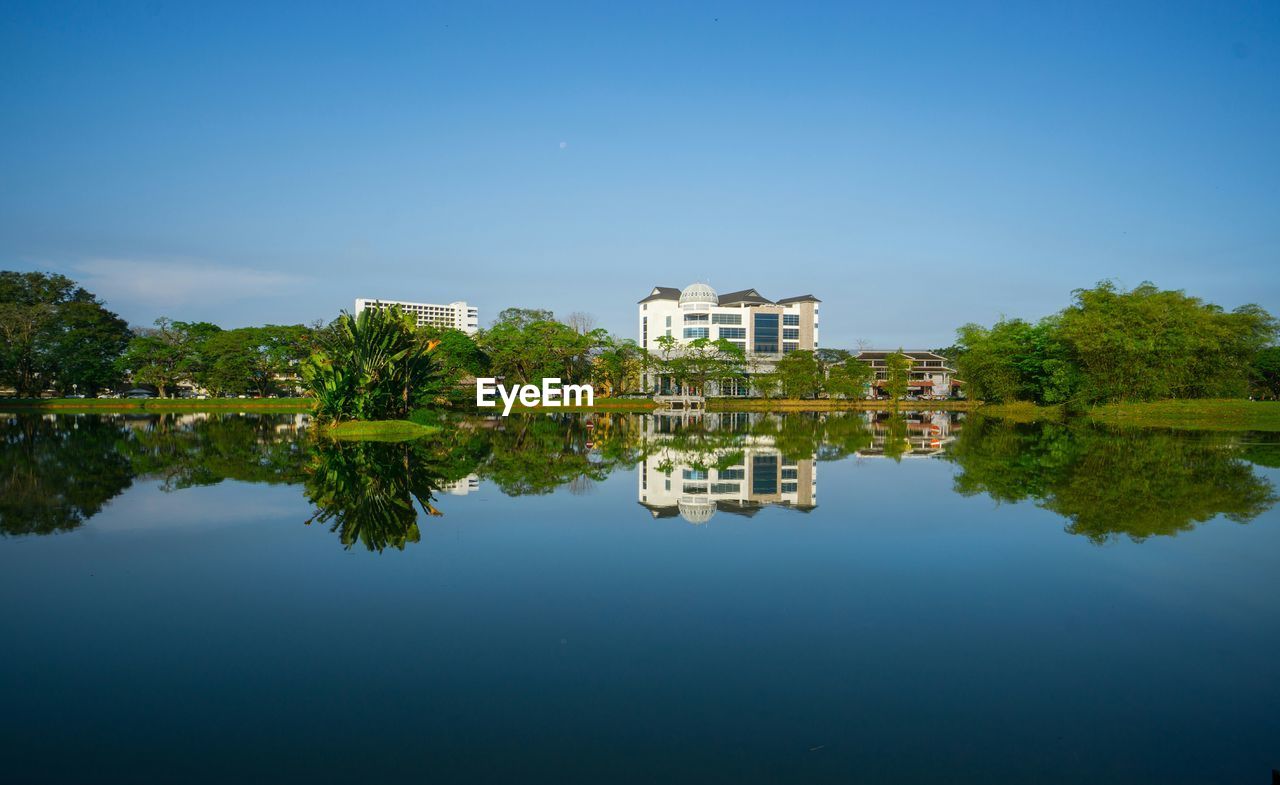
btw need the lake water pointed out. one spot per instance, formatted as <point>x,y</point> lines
<point>847,598</point>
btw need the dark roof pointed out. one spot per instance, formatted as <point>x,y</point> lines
<point>732,298</point>
<point>662,293</point>
<point>744,296</point>
<point>661,512</point>
<point>916,354</point>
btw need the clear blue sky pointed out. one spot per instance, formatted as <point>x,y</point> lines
<point>914,165</point>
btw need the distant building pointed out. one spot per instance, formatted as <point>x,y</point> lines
<point>763,329</point>
<point>930,373</point>
<point>456,315</point>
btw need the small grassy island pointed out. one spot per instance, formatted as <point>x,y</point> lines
<point>378,430</point>
<point>374,370</point>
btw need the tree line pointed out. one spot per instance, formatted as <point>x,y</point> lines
<point>1114,345</point>
<point>1108,345</point>
<point>57,336</point>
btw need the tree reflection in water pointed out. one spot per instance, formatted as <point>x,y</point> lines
<point>1108,483</point>
<point>367,491</point>
<point>56,472</point>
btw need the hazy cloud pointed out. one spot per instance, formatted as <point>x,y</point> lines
<point>159,286</point>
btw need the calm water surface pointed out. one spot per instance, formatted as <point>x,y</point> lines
<point>850,598</point>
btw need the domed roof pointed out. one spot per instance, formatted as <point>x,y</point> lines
<point>696,512</point>
<point>699,293</point>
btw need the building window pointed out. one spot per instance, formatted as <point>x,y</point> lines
<point>726,487</point>
<point>732,474</point>
<point>789,487</point>
<point>644,331</point>
<point>695,490</point>
<point>692,333</point>
<point>733,332</point>
<point>695,317</point>
<point>742,345</point>
<point>791,474</point>
<point>694,474</point>
<point>764,474</point>
<point>791,320</point>
<point>766,333</point>
<point>790,347</point>
<point>726,318</point>
<point>790,334</point>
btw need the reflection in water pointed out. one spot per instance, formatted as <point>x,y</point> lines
<point>1108,483</point>
<point>58,471</point>
<point>737,463</point>
<point>368,490</point>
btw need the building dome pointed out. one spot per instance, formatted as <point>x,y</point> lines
<point>699,293</point>
<point>696,512</point>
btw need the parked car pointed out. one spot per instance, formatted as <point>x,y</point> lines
<point>138,392</point>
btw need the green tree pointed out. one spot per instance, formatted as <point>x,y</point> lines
<point>1015,360</point>
<point>897,375</point>
<point>257,360</point>
<point>374,367</point>
<point>768,384</point>
<point>618,366</point>
<point>848,379</point>
<point>169,354</point>
<point>55,334</point>
<point>1149,343</point>
<point>800,374</point>
<point>1266,373</point>
<point>525,346</point>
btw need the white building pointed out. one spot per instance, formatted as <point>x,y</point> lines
<point>456,315</point>
<point>764,329</point>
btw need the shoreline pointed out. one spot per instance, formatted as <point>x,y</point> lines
<point>158,405</point>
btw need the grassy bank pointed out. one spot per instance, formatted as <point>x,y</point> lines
<point>89,405</point>
<point>1200,415</point>
<point>829,405</point>
<point>377,430</point>
<point>1023,411</point>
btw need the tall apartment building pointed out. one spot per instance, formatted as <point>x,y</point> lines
<point>457,315</point>
<point>764,329</point>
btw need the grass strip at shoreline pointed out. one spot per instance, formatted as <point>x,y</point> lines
<point>1209,414</point>
<point>1023,411</point>
<point>376,430</point>
<point>91,405</point>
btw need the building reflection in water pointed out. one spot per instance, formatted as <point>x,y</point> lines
<point>699,464</point>
<point>910,434</point>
